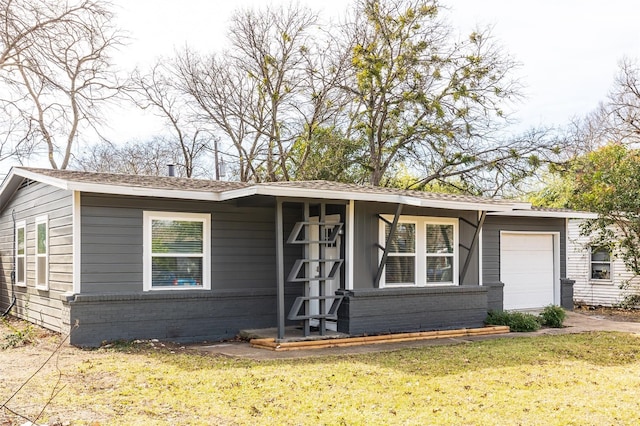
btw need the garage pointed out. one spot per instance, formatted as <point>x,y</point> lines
<point>529,269</point>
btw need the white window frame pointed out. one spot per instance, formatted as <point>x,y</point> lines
<point>21,224</point>
<point>39,221</point>
<point>416,261</point>
<point>421,223</point>
<point>591,261</point>
<point>205,218</point>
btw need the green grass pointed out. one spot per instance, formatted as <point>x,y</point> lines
<point>568,379</point>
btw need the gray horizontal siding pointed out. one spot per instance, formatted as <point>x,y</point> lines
<point>366,228</point>
<point>491,240</point>
<point>242,242</point>
<point>29,202</point>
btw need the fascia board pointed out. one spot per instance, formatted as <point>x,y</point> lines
<point>465,205</point>
<point>232,194</point>
<point>539,213</point>
<point>276,191</point>
<point>9,186</point>
<point>55,182</point>
<point>118,189</point>
<point>147,192</point>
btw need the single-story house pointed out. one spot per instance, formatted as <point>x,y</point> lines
<point>601,277</point>
<point>136,257</point>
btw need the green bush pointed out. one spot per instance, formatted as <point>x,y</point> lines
<point>553,316</point>
<point>630,301</point>
<point>517,321</point>
<point>18,336</point>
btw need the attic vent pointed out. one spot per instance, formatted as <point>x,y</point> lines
<point>25,183</point>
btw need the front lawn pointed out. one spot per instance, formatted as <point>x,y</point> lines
<point>568,379</point>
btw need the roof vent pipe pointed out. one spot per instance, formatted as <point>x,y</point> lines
<point>172,170</point>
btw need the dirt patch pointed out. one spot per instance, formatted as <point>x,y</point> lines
<point>59,370</point>
<point>614,314</point>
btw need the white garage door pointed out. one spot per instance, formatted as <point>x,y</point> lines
<point>527,270</point>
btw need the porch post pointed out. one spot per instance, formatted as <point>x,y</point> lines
<point>463,274</point>
<point>385,254</point>
<point>280,268</point>
<point>307,270</point>
<point>321,265</point>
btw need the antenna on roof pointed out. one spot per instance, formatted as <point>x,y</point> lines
<point>172,170</point>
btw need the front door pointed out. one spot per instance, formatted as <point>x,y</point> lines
<point>331,251</point>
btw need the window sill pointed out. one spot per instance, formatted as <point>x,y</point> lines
<point>601,282</point>
<point>171,288</point>
<point>409,285</point>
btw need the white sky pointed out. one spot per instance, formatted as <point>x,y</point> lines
<point>569,49</point>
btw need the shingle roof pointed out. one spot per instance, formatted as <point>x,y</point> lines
<point>323,185</point>
<point>140,181</point>
<point>201,189</point>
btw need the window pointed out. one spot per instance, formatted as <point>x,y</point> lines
<point>21,254</point>
<point>401,262</point>
<point>422,252</point>
<point>42,251</point>
<point>439,252</point>
<point>600,263</point>
<point>176,251</point>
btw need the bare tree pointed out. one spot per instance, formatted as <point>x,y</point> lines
<point>227,99</point>
<point>616,119</point>
<point>156,90</point>
<point>56,72</point>
<point>150,158</point>
<point>269,89</point>
<point>620,113</point>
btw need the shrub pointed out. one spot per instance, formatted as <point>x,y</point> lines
<point>630,301</point>
<point>517,321</point>
<point>18,336</point>
<point>553,316</point>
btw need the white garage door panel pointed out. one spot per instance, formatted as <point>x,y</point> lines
<point>527,270</point>
<point>514,242</point>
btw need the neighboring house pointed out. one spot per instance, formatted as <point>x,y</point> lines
<point>135,257</point>
<point>601,278</point>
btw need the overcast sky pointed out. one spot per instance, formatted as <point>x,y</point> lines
<point>569,49</point>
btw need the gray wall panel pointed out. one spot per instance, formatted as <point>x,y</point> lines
<point>242,242</point>
<point>366,229</point>
<point>412,309</point>
<point>34,199</point>
<point>203,315</point>
<point>491,240</point>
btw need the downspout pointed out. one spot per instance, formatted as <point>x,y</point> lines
<point>13,268</point>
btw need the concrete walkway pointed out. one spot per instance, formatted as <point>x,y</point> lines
<point>574,323</point>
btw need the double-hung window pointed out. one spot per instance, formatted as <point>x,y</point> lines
<point>423,251</point>
<point>600,263</point>
<point>401,260</point>
<point>21,253</point>
<point>439,252</point>
<point>176,251</point>
<point>42,252</point>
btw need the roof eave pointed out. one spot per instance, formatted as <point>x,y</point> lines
<point>144,192</point>
<point>9,186</point>
<point>279,191</point>
<point>104,188</point>
<point>550,214</point>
